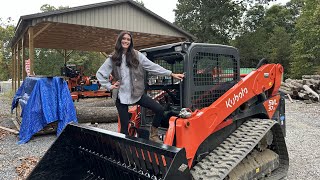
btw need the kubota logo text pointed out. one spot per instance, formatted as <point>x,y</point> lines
<point>236,97</point>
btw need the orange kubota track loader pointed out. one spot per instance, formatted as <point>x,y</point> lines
<point>216,125</point>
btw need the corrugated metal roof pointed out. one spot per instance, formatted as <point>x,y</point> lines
<point>107,17</point>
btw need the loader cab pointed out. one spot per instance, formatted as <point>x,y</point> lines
<point>210,70</point>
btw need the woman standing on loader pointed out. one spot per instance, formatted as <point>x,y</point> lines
<point>128,67</point>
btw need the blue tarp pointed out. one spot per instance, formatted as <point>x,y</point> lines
<point>43,101</point>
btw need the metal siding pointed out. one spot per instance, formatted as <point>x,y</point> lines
<point>64,18</point>
<point>130,17</point>
<point>100,18</point>
<point>92,18</point>
<point>113,22</point>
<point>119,16</point>
<point>70,18</point>
<point>125,19</point>
<point>87,18</point>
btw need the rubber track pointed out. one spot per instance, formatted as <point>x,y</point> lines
<point>220,162</point>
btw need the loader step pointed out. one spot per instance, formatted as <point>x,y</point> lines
<point>222,160</point>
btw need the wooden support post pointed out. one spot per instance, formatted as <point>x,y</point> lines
<point>104,54</point>
<point>17,73</point>
<point>31,50</point>
<point>15,70</point>
<point>65,57</point>
<point>24,73</point>
<point>16,121</point>
<point>18,65</point>
<point>12,68</point>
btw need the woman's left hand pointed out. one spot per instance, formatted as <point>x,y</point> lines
<point>178,76</point>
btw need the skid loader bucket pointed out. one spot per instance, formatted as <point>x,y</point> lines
<point>82,152</point>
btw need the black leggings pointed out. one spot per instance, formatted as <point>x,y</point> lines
<point>146,102</point>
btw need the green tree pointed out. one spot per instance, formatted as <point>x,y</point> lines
<point>48,7</point>
<point>252,47</point>
<point>210,21</point>
<point>268,33</point>
<point>48,62</point>
<point>140,2</point>
<point>90,61</point>
<point>306,49</point>
<point>6,33</point>
<point>278,16</point>
<point>279,48</point>
<point>213,21</point>
<point>253,19</point>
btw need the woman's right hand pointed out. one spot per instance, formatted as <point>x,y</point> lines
<point>178,76</point>
<point>115,85</point>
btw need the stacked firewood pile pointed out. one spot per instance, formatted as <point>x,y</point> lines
<point>307,88</point>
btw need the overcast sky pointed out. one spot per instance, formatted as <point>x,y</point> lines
<point>17,8</point>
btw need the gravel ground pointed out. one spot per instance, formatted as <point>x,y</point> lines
<point>303,134</point>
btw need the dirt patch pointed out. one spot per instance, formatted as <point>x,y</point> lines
<point>26,166</point>
<point>3,133</point>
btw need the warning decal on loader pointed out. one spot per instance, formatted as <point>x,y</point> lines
<point>271,105</point>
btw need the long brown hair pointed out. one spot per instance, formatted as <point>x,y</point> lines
<point>131,57</point>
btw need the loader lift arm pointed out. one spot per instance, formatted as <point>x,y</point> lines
<point>191,132</point>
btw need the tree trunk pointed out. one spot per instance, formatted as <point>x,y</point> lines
<point>97,114</point>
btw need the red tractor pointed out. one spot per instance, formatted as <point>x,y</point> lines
<point>217,125</point>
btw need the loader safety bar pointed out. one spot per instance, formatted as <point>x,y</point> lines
<point>82,152</point>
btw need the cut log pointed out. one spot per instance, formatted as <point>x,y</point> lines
<point>313,81</point>
<point>96,114</point>
<point>289,97</point>
<point>288,80</point>
<point>9,130</point>
<point>309,90</point>
<point>286,88</point>
<point>285,85</point>
<point>97,103</point>
<point>314,98</point>
<point>297,85</point>
<point>303,95</point>
<point>290,85</point>
<point>286,91</point>
<point>317,77</point>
